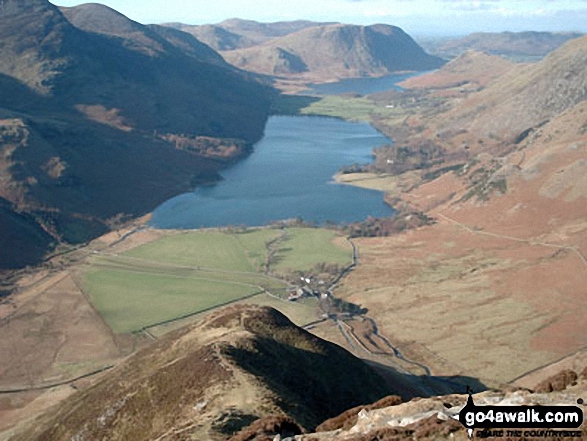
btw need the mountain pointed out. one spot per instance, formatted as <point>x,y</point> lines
<point>523,98</point>
<point>496,103</point>
<point>259,31</point>
<point>239,34</point>
<point>153,39</point>
<point>335,51</point>
<point>517,46</point>
<point>501,170</point>
<point>210,380</point>
<point>102,119</point>
<point>214,36</point>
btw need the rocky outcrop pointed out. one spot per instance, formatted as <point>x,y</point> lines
<point>434,418</point>
<point>349,418</point>
<point>557,382</point>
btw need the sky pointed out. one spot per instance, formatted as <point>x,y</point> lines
<point>419,17</point>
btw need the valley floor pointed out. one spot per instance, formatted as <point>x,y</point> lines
<point>87,309</point>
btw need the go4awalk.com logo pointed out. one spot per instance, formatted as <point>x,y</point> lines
<point>521,421</point>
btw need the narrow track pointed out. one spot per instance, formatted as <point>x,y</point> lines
<point>56,384</point>
<point>471,230</point>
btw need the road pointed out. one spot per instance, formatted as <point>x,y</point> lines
<point>352,339</point>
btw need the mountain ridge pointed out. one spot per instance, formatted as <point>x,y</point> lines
<point>239,34</point>
<point>516,46</point>
<point>214,378</point>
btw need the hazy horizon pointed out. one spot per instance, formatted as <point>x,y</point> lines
<point>423,17</point>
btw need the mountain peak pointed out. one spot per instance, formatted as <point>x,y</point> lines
<point>95,17</point>
<point>14,6</point>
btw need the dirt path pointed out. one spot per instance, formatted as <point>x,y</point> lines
<point>17,390</point>
<point>516,239</point>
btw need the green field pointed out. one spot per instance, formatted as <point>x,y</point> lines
<point>303,248</point>
<point>128,301</point>
<point>345,107</point>
<point>234,252</point>
<point>190,272</point>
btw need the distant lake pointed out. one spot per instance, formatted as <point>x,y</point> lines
<point>362,86</point>
<point>288,175</point>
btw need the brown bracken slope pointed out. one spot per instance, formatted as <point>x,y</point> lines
<point>210,380</point>
<point>499,279</point>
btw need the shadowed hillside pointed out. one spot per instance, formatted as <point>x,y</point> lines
<point>152,39</point>
<point>102,118</point>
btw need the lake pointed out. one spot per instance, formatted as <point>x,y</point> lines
<point>362,86</point>
<point>288,175</point>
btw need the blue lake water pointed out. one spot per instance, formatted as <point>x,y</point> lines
<point>288,175</point>
<point>362,86</point>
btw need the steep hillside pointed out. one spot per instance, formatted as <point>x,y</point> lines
<point>500,273</point>
<point>336,51</point>
<point>108,118</point>
<point>524,97</point>
<point>516,46</point>
<point>505,104</point>
<point>210,380</point>
<point>503,267</point>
